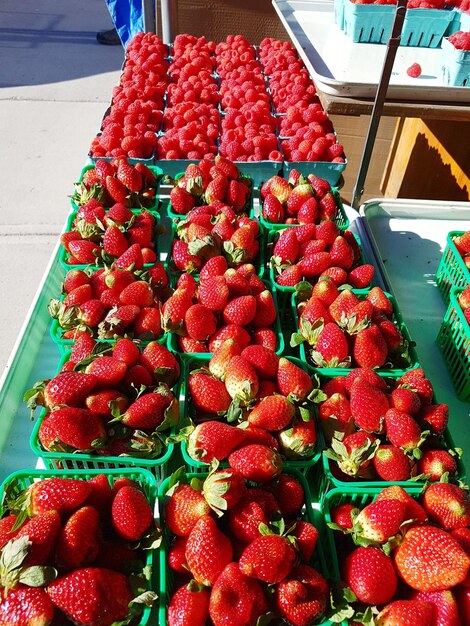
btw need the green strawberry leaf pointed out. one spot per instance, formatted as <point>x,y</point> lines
<point>303,291</point>
<point>177,478</point>
<point>37,576</point>
<point>296,339</point>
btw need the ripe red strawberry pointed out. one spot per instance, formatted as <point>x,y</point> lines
<point>298,440</point>
<point>327,207</point>
<point>371,575</point>
<point>208,551</point>
<point>272,413</point>
<point>265,310</point>
<point>306,536</point>
<point>368,406</point>
<point>223,489</point>
<point>6,529</point>
<point>185,506</point>
<point>402,430</point>
<point>286,248</point>
<point>331,349</point>
<point>240,310</point>
<point>429,559</point>
<point>147,324</point>
<point>79,540</point>
<point>435,463</point>
<point>268,558</point>
<point>83,251</point>
<point>341,253</point>
<point>413,510</point>
<point>82,347</point>
<point>314,264</point>
<point>63,495</point>
<point>445,607</point>
<point>222,356</point>
<point>380,521</point>
<point>152,410</point>
<point>119,214</point>
<point>208,394</point>
<point>28,606</point>
<point>91,313</point>
<point>114,241</point>
<point>78,296</point>
<point>214,440</point>
<point>117,321</point>
<point>70,427</point>
<point>101,495</point>
<point>326,291</point>
<point>361,277</point>
<point>364,374</point>
<point>183,259</point>
<point>419,383</point>
<point>216,266</point>
<point>341,515</point>
<point>189,606</point>
<point>447,505</point>
<point>42,531</point>
<point>354,453</point>
<point>299,195</point>
<point>126,350</point>
<point>181,201</point>
<point>256,462</point>
<point>265,337</point>
<point>290,276</point>
<point>200,322</point>
<point>161,363</point>
<point>403,612</point>
<point>335,416</point>
<point>289,494</point>
<point>302,597</point>
<point>405,400</point>
<point>176,557</point>
<point>138,293</point>
<point>108,371</point>
<point>241,380</point>
<point>236,599</point>
<point>256,506</point>
<point>213,293</point>
<point>435,417</point>
<point>106,599</point>
<point>392,464</point>
<point>129,176</point>
<point>132,258</point>
<point>293,380</point>
<point>131,514</point>
<point>343,306</point>
<point>370,348</point>
<point>272,210</point>
<point>68,388</point>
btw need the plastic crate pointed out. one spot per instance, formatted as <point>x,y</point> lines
<point>368,23</point>
<point>331,172</point>
<point>454,342</point>
<point>452,271</point>
<point>83,461</point>
<point>455,65</point>
<point>396,316</point>
<point>425,28</point>
<point>341,219</point>
<point>323,559</point>
<point>20,480</point>
<point>64,255</point>
<point>303,466</point>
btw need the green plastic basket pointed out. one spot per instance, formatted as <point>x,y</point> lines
<point>303,466</point>
<point>396,316</point>
<point>454,342</point>
<point>341,220</point>
<point>452,271</point>
<point>83,461</point>
<point>323,559</point>
<point>157,171</point>
<point>173,341</point>
<point>20,480</point>
<point>64,255</point>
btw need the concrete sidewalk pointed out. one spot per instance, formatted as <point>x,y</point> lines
<point>55,85</point>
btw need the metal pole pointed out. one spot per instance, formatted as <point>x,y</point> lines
<point>392,47</point>
<point>148,13</point>
<point>169,20</point>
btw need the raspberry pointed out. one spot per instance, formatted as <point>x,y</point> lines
<point>414,70</point>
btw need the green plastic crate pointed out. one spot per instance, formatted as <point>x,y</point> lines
<point>452,271</point>
<point>173,341</point>
<point>83,461</point>
<point>341,220</point>
<point>303,466</point>
<point>64,255</point>
<point>397,317</point>
<point>18,481</point>
<point>454,342</point>
<point>323,559</point>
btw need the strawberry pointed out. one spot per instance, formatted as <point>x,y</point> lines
<point>117,321</point>
<point>392,464</point>
<point>380,521</point>
<point>26,606</point>
<point>129,176</point>
<point>298,196</point>
<point>189,606</point>
<point>216,266</point>
<point>354,452</point>
<point>278,187</point>
<point>200,322</point>
<point>413,510</point>
<point>106,599</point>
<point>222,356</point>
<point>403,612</point>
<point>137,376</point>
<point>341,253</point>
<point>290,276</point>
<point>368,406</point>
<point>82,347</point>
<point>314,264</point>
<point>118,214</point>
<point>265,310</point>
<point>214,440</point>
<point>435,463</point>
<point>240,310</point>
<point>138,293</point>
<point>114,242</point>
<point>435,417</point>
<point>223,489</point>
<point>213,293</point>
<point>326,291</point>
<point>380,301</point>
<point>341,515</point>
<point>331,349</point>
<point>74,428</point>
<point>370,347</point>
<point>91,313</point>
<point>299,439</point>
<point>183,259</point>
<point>208,394</point>
<point>101,495</point>
<point>132,258</point>
<point>185,506</point>
<point>272,413</point>
<point>131,514</point>
<point>208,551</point>
<point>268,558</point>
<point>256,462</point>
<point>161,363</point>
<point>181,201</point>
<point>306,536</point>
<point>445,607</point>
<point>236,599</point>
<point>289,494</point>
<point>365,374</point>
<point>176,557</point>
<point>54,494</point>
<point>241,380</point>
<point>79,541</point>
<point>429,559</point>
<point>405,400</point>
<point>343,306</point>
<point>447,505</point>
<point>256,506</point>
<point>126,350</point>
<point>293,380</point>
<point>265,337</point>
<point>158,409</point>
<point>69,389</point>
<point>402,430</point>
<point>108,371</point>
<point>335,416</point>
<point>78,296</point>
<point>286,248</point>
<point>83,251</point>
<point>272,210</point>
<point>420,384</point>
<point>371,575</point>
<point>42,531</point>
<point>302,597</point>
<point>6,529</point>
<point>360,277</point>
<point>147,324</point>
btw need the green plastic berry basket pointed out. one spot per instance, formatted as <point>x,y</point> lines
<point>22,479</point>
<point>304,466</point>
<point>397,318</point>
<point>323,559</point>
<point>158,173</point>
<point>64,256</point>
<point>172,343</point>
<point>84,461</point>
<point>341,219</point>
<point>452,271</point>
<point>454,342</point>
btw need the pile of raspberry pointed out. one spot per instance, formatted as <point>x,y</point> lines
<point>460,40</point>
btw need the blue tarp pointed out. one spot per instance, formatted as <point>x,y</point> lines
<point>128,18</point>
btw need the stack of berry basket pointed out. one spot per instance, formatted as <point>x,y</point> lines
<point>248,366</point>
